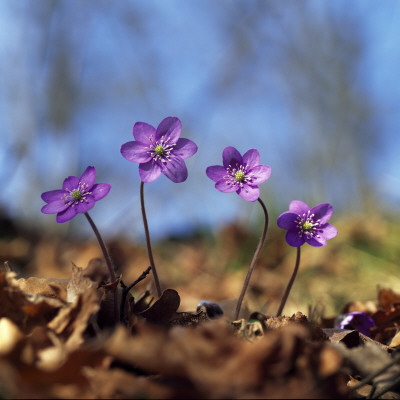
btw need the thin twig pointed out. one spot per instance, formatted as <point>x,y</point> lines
<point>126,289</point>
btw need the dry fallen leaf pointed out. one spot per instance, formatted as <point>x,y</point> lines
<point>58,340</point>
<point>79,283</point>
<point>163,309</point>
<point>25,310</point>
<point>72,321</point>
<point>10,335</point>
<point>212,361</point>
<point>369,358</point>
<point>395,342</point>
<point>387,298</point>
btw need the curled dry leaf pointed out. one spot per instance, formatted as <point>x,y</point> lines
<point>163,309</point>
<point>351,338</point>
<point>25,310</point>
<point>96,270</point>
<point>92,279</point>
<point>79,283</point>
<point>10,335</point>
<point>72,321</point>
<point>47,287</point>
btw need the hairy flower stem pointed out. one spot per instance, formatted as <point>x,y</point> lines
<point>290,284</point>
<point>148,243</point>
<point>108,262</point>
<point>253,262</point>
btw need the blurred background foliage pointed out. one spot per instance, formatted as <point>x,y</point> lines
<point>311,84</point>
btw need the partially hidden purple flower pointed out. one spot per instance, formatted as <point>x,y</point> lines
<point>358,321</point>
<point>305,225</point>
<point>159,150</point>
<point>239,174</point>
<point>78,195</point>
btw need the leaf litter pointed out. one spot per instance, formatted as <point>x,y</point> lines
<point>58,339</point>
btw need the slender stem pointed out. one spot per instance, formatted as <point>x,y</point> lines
<point>253,262</point>
<point>108,261</point>
<point>148,243</point>
<point>290,284</point>
<point>103,247</point>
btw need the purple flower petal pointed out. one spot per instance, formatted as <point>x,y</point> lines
<point>54,207</point>
<point>135,152</point>
<point>328,231</point>
<point>66,215</point>
<point>52,195</point>
<point>251,158</point>
<point>84,206</point>
<point>260,173</point>
<point>149,171</point>
<point>323,212</point>
<point>100,190</point>
<point>70,183</point>
<point>287,220</point>
<point>143,131</point>
<point>89,177</point>
<point>225,186</point>
<point>185,148</point>
<point>231,157</point>
<point>216,172</point>
<point>176,170</point>
<point>359,321</point>
<point>298,207</point>
<point>169,127</point>
<point>249,193</point>
<point>316,241</point>
<point>293,239</point>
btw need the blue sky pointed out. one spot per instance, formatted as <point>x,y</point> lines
<point>188,48</point>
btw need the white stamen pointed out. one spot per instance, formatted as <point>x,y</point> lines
<point>238,175</point>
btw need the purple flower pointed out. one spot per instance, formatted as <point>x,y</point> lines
<point>213,309</point>
<point>305,225</point>
<point>358,321</point>
<point>239,174</point>
<point>78,195</point>
<point>159,150</point>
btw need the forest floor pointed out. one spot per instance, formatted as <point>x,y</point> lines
<point>62,337</point>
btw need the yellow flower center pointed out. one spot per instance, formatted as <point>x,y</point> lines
<point>159,150</point>
<point>307,226</point>
<point>76,194</point>
<point>239,176</point>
